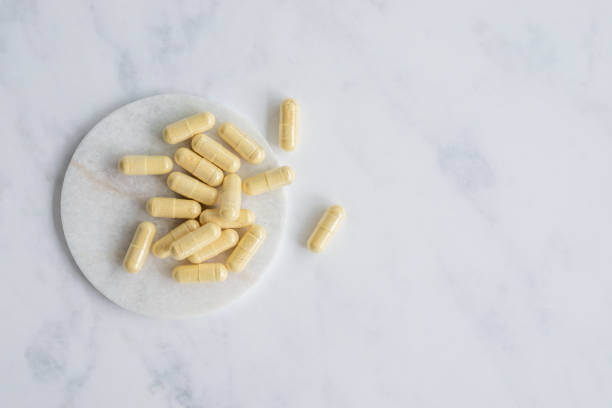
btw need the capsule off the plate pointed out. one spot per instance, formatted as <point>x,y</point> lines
<point>326,228</point>
<point>288,125</point>
<point>242,143</point>
<point>185,128</point>
<point>139,247</point>
<point>207,272</point>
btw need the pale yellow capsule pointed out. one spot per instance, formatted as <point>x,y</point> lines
<point>214,152</point>
<point>245,218</point>
<point>227,240</point>
<point>198,166</point>
<point>139,247</point>
<point>246,248</point>
<point>173,207</point>
<point>190,126</point>
<point>161,247</point>
<point>242,143</point>
<point>145,165</point>
<point>209,272</point>
<point>231,197</point>
<point>326,228</point>
<point>191,243</point>
<point>288,125</point>
<point>192,188</point>
<point>268,181</point>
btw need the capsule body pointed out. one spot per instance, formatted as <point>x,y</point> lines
<point>288,125</point>
<point>209,272</point>
<point>215,153</point>
<point>227,240</point>
<point>190,187</point>
<point>246,248</point>
<point>231,197</point>
<point>198,166</point>
<point>192,242</point>
<point>326,228</point>
<point>189,126</point>
<point>245,218</point>
<point>145,165</point>
<point>242,143</point>
<point>139,247</point>
<point>168,207</point>
<point>268,181</point>
<point>161,247</point>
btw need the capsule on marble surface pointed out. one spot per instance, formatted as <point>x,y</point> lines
<point>139,247</point>
<point>192,242</point>
<point>145,165</point>
<point>161,247</point>
<point>288,125</point>
<point>242,143</point>
<point>185,128</point>
<point>227,240</point>
<point>208,272</point>
<point>245,218</point>
<point>326,228</point>
<point>198,166</point>
<point>215,153</point>
<point>168,207</point>
<point>231,197</point>
<point>268,181</point>
<point>192,188</point>
<point>246,248</point>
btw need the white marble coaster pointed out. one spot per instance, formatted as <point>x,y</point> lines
<point>100,209</point>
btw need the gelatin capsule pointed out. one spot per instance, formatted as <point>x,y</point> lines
<point>231,197</point>
<point>139,247</point>
<point>246,248</point>
<point>161,247</point>
<point>145,165</point>
<point>268,181</point>
<point>192,188</point>
<point>288,125</point>
<point>185,128</point>
<point>227,240</point>
<point>198,166</point>
<point>242,143</point>
<point>215,153</point>
<point>192,242</point>
<point>245,218</point>
<point>168,207</point>
<point>208,272</point>
<point>326,228</point>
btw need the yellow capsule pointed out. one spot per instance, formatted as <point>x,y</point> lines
<point>208,272</point>
<point>288,125</point>
<point>198,166</point>
<point>190,187</point>
<point>245,218</point>
<point>173,207</point>
<point>139,247</point>
<point>326,228</point>
<point>268,181</point>
<point>242,143</point>
<point>192,242</point>
<point>161,248</point>
<point>187,127</point>
<point>246,248</point>
<point>227,240</point>
<point>145,165</point>
<point>231,197</point>
<point>215,153</point>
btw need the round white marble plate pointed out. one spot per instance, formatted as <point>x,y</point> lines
<point>101,207</point>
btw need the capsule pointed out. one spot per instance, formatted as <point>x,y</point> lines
<point>145,165</point>
<point>245,218</point>
<point>198,166</point>
<point>242,143</point>
<point>168,207</point>
<point>326,228</point>
<point>190,187</point>
<point>231,197</point>
<point>190,126</point>
<point>192,242</point>
<point>227,240</point>
<point>246,248</point>
<point>288,125</point>
<point>215,153</point>
<point>139,247</point>
<point>161,247</point>
<point>268,181</point>
<point>208,272</point>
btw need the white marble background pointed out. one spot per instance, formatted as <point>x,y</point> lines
<point>469,141</point>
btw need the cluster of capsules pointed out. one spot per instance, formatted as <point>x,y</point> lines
<point>212,165</point>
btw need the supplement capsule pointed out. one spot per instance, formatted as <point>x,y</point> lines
<point>215,153</point>
<point>168,207</point>
<point>326,228</point>
<point>246,248</point>
<point>190,187</point>
<point>198,166</point>
<point>139,247</point>
<point>192,242</point>
<point>245,218</point>
<point>190,126</point>
<point>288,125</point>
<point>145,165</point>
<point>268,181</point>
<point>209,272</point>
<point>231,197</point>
<point>161,248</point>
<point>242,143</point>
<point>227,240</point>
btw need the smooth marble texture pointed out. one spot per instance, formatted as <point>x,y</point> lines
<point>470,143</point>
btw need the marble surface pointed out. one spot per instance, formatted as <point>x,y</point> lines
<point>470,143</point>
